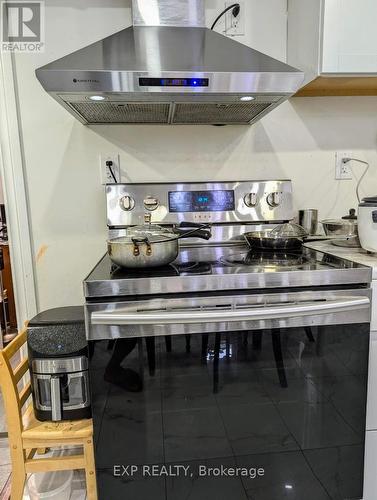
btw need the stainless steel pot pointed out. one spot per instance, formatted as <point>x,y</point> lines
<point>340,227</point>
<point>346,226</point>
<point>152,246</point>
<point>344,230</point>
<point>308,219</point>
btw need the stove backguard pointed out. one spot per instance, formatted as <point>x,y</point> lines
<point>219,203</point>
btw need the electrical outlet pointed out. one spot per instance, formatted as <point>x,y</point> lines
<point>106,175</point>
<point>235,26</point>
<point>343,170</point>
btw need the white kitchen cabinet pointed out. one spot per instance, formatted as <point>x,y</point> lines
<point>335,43</point>
<point>349,36</point>
<point>370,471</point>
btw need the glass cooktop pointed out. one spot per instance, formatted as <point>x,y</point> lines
<point>203,268</point>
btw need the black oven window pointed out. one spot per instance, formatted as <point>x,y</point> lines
<point>285,406</point>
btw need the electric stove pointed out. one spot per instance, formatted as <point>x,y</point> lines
<point>228,361</point>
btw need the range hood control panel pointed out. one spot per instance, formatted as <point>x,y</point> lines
<point>174,82</point>
<point>213,202</point>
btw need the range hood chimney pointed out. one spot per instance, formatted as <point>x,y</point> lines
<point>169,69</point>
<point>183,13</point>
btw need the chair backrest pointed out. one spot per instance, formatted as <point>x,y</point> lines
<point>14,365</point>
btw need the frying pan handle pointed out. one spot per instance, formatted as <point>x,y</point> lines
<point>193,224</point>
<point>196,232</point>
<point>193,233</point>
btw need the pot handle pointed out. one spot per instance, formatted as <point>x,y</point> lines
<point>137,242</point>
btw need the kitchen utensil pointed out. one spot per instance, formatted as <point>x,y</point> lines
<point>152,246</point>
<point>283,237</point>
<point>308,219</point>
<point>367,217</point>
<point>346,226</point>
<point>344,230</point>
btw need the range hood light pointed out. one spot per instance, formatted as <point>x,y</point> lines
<point>97,98</point>
<point>247,98</point>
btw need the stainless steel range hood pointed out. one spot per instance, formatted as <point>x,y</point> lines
<point>169,69</point>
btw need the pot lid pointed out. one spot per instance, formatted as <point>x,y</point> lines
<point>289,230</point>
<point>149,232</point>
<point>146,230</point>
<point>143,238</point>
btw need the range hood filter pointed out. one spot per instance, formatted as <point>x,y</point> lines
<point>104,112</point>
<point>222,114</point>
<point>160,113</point>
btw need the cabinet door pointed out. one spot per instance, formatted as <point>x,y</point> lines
<point>370,466</point>
<point>349,36</point>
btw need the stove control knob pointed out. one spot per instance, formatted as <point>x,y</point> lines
<point>274,199</point>
<point>250,199</point>
<point>127,203</point>
<point>151,203</point>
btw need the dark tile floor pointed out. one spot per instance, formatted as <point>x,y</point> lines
<point>287,476</point>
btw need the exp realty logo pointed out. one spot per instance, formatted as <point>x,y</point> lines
<point>22,26</point>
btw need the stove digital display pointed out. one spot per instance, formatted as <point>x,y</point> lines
<point>201,201</point>
<point>173,82</point>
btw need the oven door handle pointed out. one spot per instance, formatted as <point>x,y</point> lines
<point>230,315</point>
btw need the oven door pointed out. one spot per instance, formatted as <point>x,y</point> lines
<point>245,397</point>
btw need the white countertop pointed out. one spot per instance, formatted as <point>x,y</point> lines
<point>354,254</point>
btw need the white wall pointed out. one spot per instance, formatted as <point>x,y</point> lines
<point>297,141</point>
<point>1,193</point>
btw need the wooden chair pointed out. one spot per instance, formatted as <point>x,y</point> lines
<point>27,435</point>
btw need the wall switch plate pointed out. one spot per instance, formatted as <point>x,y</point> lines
<point>343,170</point>
<point>106,176</point>
<point>235,26</point>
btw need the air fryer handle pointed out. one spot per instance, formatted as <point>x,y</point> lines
<point>56,402</point>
